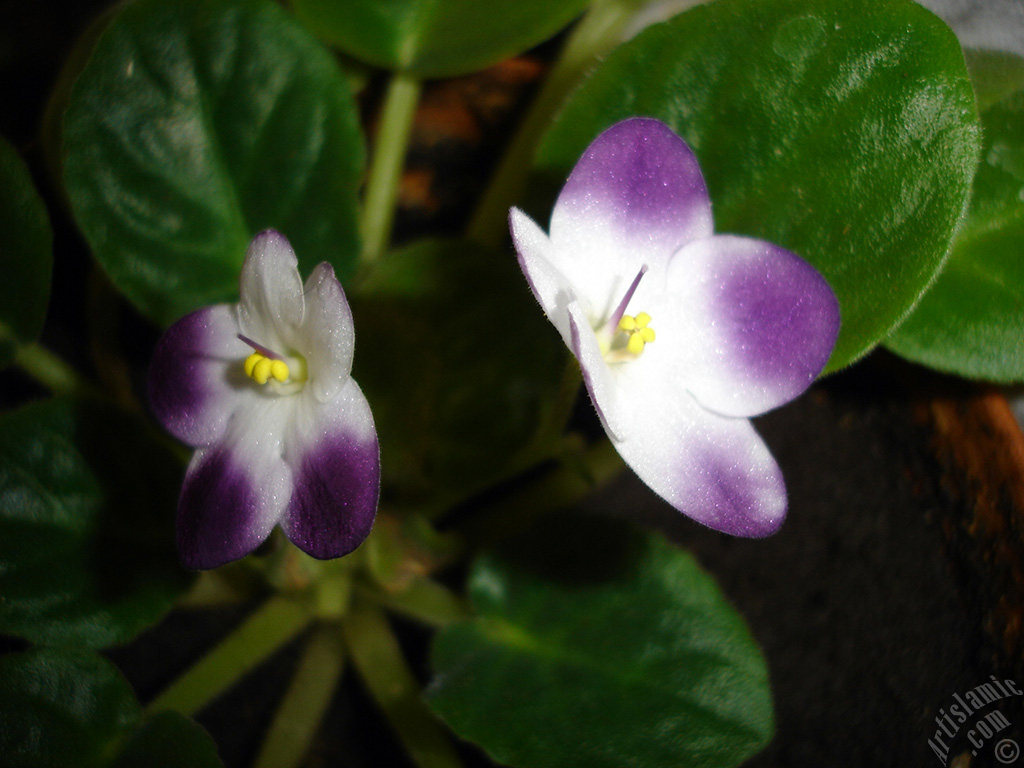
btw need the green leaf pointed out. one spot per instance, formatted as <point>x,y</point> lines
<point>169,740</point>
<point>593,649</point>
<point>86,525</point>
<point>436,38</point>
<point>459,368</point>
<point>845,132</point>
<point>995,74</point>
<point>196,124</point>
<point>26,254</point>
<point>62,708</point>
<point>69,708</point>
<point>972,320</point>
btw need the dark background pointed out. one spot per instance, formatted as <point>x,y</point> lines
<point>896,582</point>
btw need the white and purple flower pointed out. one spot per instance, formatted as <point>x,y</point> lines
<point>682,335</point>
<point>283,434</point>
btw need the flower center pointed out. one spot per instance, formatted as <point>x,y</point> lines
<point>638,332</point>
<point>260,369</point>
<point>624,336</point>
<point>264,366</point>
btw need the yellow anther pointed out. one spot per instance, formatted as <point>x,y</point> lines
<point>279,370</point>
<point>637,330</point>
<point>261,371</point>
<point>250,362</point>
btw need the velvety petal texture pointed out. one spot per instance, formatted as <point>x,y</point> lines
<point>718,471</point>
<point>193,389</point>
<point>283,435</point>
<point>635,197</point>
<point>681,334</point>
<point>270,291</point>
<point>606,392</point>
<point>331,446</point>
<point>327,329</point>
<point>537,260</point>
<point>767,323</point>
<point>234,491</point>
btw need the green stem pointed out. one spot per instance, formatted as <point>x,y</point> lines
<point>302,710</point>
<point>597,33</point>
<point>62,379</point>
<point>424,600</point>
<point>386,168</point>
<point>376,654</point>
<point>267,629</point>
<point>52,372</point>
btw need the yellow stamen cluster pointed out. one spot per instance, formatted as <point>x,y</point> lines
<point>261,368</point>
<point>639,333</point>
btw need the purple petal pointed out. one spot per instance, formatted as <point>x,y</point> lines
<point>714,469</point>
<point>193,376</point>
<point>634,198</point>
<point>759,323</point>
<point>335,458</point>
<point>232,497</point>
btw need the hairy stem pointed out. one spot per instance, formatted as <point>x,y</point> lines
<point>268,628</point>
<point>423,600</point>
<point>598,32</point>
<point>304,704</point>
<point>386,167</point>
<point>376,654</point>
<point>50,371</point>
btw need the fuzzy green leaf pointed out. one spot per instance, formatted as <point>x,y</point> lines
<point>26,254</point>
<point>462,367</point>
<point>436,38</point>
<point>86,525</point>
<point>169,740</point>
<point>845,132</point>
<point>62,708</point>
<point>591,649</point>
<point>195,125</point>
<point>971,322</point>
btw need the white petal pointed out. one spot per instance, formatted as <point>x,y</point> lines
<point>327,336</point>
<point>549,286</point>
<point>271,303</point>
<point>714,469</point>
<point>235,492</point>
<point>602,384</point>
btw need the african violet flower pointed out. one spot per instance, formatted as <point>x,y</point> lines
<point>681,334</point>
<point>283,435</point>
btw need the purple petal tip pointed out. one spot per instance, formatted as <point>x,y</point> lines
<point>334,503</point>
<point>218,514</point>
